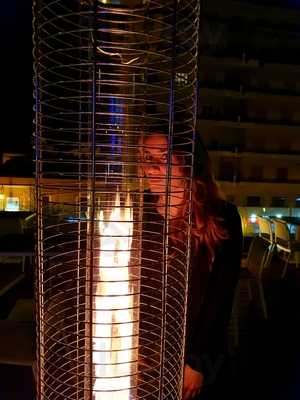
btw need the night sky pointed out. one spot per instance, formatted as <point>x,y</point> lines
<point>16,75</point>
<point>16,71</point>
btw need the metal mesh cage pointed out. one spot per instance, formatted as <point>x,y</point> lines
<point>115,98</point>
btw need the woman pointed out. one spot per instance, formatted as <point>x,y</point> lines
<point>215,259</point>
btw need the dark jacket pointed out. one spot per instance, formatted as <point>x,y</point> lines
<point>211,294</point>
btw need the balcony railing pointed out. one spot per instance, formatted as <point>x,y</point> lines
<point>236,178</point>
<point>242,88</point>
<point>266,54</point>
<point>235,116</point>
<point>240,149</point>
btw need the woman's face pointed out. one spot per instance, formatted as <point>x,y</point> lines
<point>155,158</point>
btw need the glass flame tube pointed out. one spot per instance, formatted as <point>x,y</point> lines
<point>113,323</point>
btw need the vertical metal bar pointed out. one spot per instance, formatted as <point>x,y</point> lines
<point>79,231</point>
<point>93,203</point>
<point>92,196</point>
<point>166,231</point>
<point>190,189</point>
<point>39,256</point>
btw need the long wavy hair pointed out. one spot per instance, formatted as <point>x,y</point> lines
<point>207,229</point>
<point>207,225</point>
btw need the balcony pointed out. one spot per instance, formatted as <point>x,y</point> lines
<point>213,113</point>
<point>262,53</point>
<point>240,89</point>
<point>236,178</point>
<point>241,151</point>
<point>269,180</point>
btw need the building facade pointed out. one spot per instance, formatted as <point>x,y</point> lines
<point>249,103</point>
<point>249,107</point>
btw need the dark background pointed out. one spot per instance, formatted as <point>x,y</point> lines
<point>16,76</point>
<point>17,71</point>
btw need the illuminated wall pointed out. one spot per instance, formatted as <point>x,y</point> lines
<point>18,194</point>
<point>16,198</point>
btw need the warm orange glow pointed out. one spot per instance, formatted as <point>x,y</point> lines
<point>113,325</point>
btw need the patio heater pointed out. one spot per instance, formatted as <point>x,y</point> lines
<point>111,283</point>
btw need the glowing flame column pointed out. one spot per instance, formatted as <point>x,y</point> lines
<point>114,350</point>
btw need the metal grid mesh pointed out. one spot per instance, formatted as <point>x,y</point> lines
<point>112,258</point>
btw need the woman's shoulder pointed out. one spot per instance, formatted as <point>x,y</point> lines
<point>231,222</point>
<point>228,211</point>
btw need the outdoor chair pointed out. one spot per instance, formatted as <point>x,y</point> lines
<point>258,259</point>
<point>266,232</point>
<point>286,247</point>
<point>265,229</point>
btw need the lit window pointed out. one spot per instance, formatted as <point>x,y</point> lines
<point>12,204</point>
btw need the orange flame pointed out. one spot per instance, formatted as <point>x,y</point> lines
<point>113,325</point>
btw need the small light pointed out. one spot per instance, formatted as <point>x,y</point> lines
<point>253,218</point>
<point>12,204</point>
<point>264,210</point>
<point>2,196</point>
<point>278,215</point>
